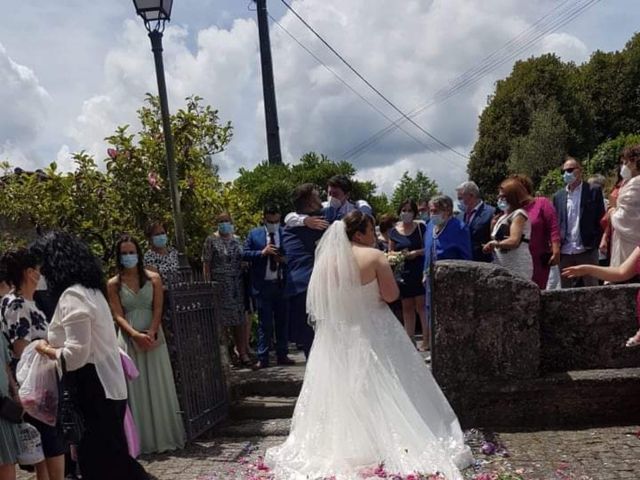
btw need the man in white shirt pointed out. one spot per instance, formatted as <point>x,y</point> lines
<point>338,204</point>
<point>580,208</point>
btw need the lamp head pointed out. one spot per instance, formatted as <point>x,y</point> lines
<point>155,13</point>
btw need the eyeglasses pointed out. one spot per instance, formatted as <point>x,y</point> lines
<point>568,170</point>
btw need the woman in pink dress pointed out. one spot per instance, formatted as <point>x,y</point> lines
<point>629,269</point>
<point>545,235</point>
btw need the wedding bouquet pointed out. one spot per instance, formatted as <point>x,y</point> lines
<point>396,261</point>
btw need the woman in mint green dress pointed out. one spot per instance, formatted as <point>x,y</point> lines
<point>136,295</point>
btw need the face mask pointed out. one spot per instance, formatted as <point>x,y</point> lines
<point>160,240</point>
<point>42,283</point>
<point>503,205</point>
<point>437,219</point>
<point>272,227</point>
<point>129,260</point>
<point>424,216</point>
<point>406,217</point>
<point>225,228</point>
<point>625,172</point>
<point>461,206</point>
<point>568,178</point>
<point>334,202</point>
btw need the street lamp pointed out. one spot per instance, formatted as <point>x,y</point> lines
<point>155,14</point>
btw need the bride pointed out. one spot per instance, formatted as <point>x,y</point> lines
<point>367,399</point>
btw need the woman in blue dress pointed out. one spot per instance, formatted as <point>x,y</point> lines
<point>447,238</point>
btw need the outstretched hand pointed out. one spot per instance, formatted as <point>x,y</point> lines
<point>575,272</point>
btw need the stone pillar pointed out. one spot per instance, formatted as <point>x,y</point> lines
<point>485,326</point>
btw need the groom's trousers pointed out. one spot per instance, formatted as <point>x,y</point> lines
<point>301,332</point>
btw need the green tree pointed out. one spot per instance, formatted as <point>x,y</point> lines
<point>133,189</point>
<point>275,183</point>
<point>606,158</point>
<point>419,187</point>
<point>543,147</point>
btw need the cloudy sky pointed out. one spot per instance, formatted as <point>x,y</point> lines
<point>71,71</point>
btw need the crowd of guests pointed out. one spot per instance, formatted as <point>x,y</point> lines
<point>54,293</point>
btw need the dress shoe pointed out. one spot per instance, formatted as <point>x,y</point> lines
<point>259,365</point>
<point>286,361</point>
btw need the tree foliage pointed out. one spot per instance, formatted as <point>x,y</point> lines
<point>419,187</point>
<point>547,108</point>
<point>133,188</point>
<point>274,184</point>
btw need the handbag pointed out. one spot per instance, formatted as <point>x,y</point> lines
<point>11,410</point>
<point>70,417</point>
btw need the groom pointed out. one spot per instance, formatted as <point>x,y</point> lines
<point>299,245</point>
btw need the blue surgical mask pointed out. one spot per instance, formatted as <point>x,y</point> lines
<point>334,202</point>
<point>461,206</point>
<point>503,205</point>
<point>437,219</point>
<point>129,260</point>
<point>225,228</point>
<point>568,178</point>
<point>160,240</point>
<point>424,216</point>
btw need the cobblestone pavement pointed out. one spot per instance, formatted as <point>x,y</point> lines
<point>594,454</point>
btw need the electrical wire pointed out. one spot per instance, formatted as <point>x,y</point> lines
<point>362,97</point>
<point>513,48</point>
<point>380,94</point>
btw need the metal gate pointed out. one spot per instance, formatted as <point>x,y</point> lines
<point>193,327</point>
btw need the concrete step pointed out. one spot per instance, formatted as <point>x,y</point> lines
<point>263,408</point>
<point>277,427</point>
<point>571,399</point>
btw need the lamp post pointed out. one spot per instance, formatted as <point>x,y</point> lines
<point>155,14</point>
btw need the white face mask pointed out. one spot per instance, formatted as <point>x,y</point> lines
<point>272,227</point>
<point>406,217</point>
<point>334,202</point>
<point>42,283</point>
<point>625,172</point>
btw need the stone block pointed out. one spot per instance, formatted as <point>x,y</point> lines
<point>485,325</point>
<point>586,328</point>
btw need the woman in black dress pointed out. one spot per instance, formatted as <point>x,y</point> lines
<point>407,238</point>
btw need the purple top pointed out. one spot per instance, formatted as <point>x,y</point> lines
<point>544,225</point>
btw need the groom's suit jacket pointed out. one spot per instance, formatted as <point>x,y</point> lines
<point>299,247</point>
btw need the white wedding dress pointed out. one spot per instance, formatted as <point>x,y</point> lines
<point>368,398</point>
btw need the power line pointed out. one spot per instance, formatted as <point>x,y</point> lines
<point>520,43</point>
<point>345,83</point>
<point>361,77</point>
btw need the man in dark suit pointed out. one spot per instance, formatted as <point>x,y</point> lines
<point>299,245</point>
<point>262,249</point>
<point>580,207</point>
<point>477,215</point>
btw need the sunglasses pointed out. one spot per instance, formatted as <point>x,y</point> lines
<point>568,170</point>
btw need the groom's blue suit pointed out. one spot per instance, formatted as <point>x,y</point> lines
<point>299,245</point>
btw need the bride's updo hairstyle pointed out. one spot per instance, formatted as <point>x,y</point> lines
<point>355,222</point>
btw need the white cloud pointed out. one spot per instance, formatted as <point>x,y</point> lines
<point>25,107</point>
<point>409,50</point>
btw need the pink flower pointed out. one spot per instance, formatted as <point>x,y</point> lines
<point>488,448</point>
<point>154,181</point>
<point>261,465</point>
<point>112,152</point>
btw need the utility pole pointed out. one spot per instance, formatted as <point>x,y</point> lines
<point>268,86</point>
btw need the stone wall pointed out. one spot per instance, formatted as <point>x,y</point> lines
<point>506,354</point>
<point>586,328</point>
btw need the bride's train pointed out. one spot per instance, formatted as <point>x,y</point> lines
<point>367,399</point>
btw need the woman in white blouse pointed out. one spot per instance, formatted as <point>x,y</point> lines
<point>82,338</point>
